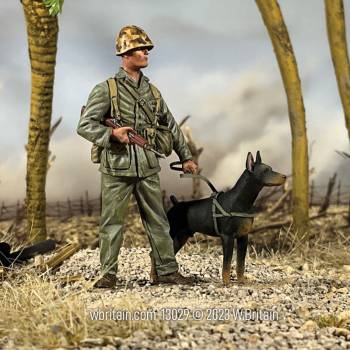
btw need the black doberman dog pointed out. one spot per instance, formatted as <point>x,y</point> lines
<point>226,215</point>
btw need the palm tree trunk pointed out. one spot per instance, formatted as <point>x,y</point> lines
<point>42,31</point>
<point>278,32</point>
<point>337,42</point>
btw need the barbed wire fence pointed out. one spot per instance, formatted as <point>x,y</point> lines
<point>86,206</point>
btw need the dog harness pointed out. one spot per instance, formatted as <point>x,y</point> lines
<point>223,212</point>
<point>215,203</point>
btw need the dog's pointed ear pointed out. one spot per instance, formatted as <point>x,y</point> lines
<point>249,164</point>
<point>258,157</point>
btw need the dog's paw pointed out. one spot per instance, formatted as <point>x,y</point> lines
<point>226,282</point>
<point>226,278</point>
<point>243,280</point>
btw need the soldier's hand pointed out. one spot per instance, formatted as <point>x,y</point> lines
<point>189,166</point>
<point>121,134</point>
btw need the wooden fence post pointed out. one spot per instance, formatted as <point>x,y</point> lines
<point>327,198</point>
<point>17,208</point>
<point>312,188</point>
<point>58,209</point>
<point>69,208</point>
<point>338,193</point>
<point>88,205</point>
<point>82,206</point>
<point>17,212</point>
<point>2,208</point>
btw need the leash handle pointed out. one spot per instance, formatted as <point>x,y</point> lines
<point>173,167</point>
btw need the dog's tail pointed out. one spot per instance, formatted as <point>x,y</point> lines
<point>174,200</point>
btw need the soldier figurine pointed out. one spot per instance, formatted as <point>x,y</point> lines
<point>127,168</point>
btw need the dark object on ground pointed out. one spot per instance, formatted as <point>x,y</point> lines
<point>7,258</point>
<point>235,217</point>
<point>109,280</point>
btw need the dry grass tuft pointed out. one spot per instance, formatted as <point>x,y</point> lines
<point>35,312</point>
<point>341,320</point>
<point>326,236</point>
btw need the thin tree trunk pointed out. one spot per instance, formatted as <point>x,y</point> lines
<point>337,43</point>
<point>278,32</point>
<point>42,31</point>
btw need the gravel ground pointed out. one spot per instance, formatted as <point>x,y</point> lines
<point>279,307</point>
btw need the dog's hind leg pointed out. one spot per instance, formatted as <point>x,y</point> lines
<point>227,247</point>
<point>242,245</point>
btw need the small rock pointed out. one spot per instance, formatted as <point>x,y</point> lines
<point>241,293</point>
<point>346,268</point>
<point>253,338</point>
<point>303,312</point>
<point>309,326</point>
<point>341,332</point>
<point>342,290</point>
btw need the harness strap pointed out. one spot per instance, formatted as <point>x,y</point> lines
<point>214,215</point>
<point>157,96</point>
<point>224,213</point>
<point>113,92</point>
<point>231,213</point>
<point>142,103</point>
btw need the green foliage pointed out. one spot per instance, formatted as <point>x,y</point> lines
<point>55,6</point>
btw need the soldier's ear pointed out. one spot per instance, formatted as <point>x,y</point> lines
<point>249,163</point>
<point>258,157</point>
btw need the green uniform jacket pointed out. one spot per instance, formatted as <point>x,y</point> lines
<point>121,159</point>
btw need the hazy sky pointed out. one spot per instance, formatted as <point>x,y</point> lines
<point>212,60</point>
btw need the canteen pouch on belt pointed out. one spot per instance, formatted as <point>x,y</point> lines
<point>164,137</point>
<point>164,140</point>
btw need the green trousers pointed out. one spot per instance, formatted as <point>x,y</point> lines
<point>116,191</point>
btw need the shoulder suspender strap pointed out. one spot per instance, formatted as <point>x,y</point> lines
<point>142,103</point>
<point>157,96</point>
<point>113,92</point>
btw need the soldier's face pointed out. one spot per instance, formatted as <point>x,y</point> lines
<point>137,58</point>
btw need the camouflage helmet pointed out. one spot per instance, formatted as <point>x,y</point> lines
<point>132,37</point>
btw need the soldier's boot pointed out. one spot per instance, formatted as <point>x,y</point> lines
<point>106,281</point>
<point>175,278</point>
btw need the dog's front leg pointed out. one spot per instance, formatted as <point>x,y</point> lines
<point>242,245</point>
<point>227,247</point>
